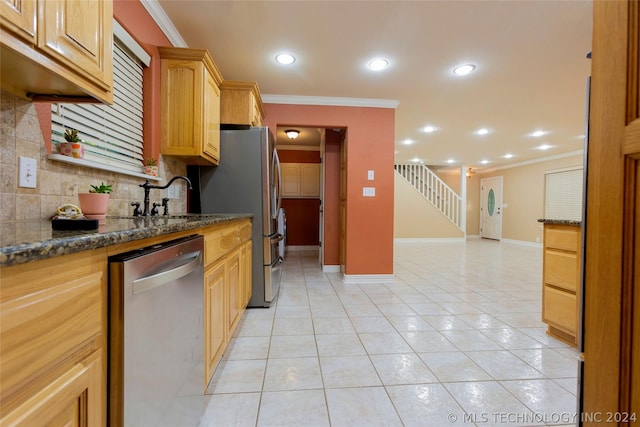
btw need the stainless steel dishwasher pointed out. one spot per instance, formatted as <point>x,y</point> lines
<point>156,349</point>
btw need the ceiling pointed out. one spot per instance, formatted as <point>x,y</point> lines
<point>530,58</point>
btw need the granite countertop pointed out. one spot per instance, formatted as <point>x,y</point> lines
<point>25,241</point>
<point>560,221</point>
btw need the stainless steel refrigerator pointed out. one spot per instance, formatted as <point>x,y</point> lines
<point>247,181</point>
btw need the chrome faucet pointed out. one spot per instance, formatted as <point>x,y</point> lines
<point>148,186</point>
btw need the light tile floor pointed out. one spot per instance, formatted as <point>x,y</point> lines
<point>456,339</point>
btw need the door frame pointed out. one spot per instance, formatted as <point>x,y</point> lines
<point>498,203</point>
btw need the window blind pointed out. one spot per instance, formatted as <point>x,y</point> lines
<point>111,134</point>
<point>563,194</point>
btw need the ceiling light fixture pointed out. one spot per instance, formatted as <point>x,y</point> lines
<point>416,160</point>
<point>408,141</point>
<point>451,161</point>
<point>508,156</point>
<point>484,162</point>
<point>428,129</point>
<point>482,131</point>
<point>378,64</point>
<point>292,133</point>
<point>470,172</point>
<point>544,147</point>
<point>463,69</point>
<point>538,133</point>
<point>285,58</point>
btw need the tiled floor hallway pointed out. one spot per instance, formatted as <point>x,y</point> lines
<point>455,340</point>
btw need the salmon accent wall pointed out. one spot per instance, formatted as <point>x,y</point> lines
<point>370,146</point>
<point>142,27</point>
<point>298,156</point>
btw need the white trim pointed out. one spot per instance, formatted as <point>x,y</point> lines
<point>331,269</point>
<point>368,278</point>
<point>302,248</point>
<point>331,101</point>
<point>125,38</point>
<point>101,166</point>
<point>160,16</point>
<point>531,162</point>
<point>568,169</point>
<point>428,239</point>
<point>522,243</point>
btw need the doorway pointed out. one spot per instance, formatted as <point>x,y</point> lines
<point>491,208</point>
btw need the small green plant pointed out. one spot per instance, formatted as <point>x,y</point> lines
<point>150,161</point>
<point>102,188</point>
<point>71,135</point>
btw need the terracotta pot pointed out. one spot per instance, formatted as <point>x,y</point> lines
<point>93,203</point>
<point>151,170</point>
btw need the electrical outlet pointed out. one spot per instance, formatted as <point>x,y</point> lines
<point>369,191</point>
<point>27,170</point>
<point>171,192</point>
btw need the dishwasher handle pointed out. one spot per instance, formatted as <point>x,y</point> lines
<point>147,283</point>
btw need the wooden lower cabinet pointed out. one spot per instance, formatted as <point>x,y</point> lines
<point>561,276</point>
<point>52,342</point>
<point>227,278</point>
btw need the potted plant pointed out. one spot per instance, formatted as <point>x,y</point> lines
<point>73,144</point>
<point>151,166</point>
<point>94,203</point>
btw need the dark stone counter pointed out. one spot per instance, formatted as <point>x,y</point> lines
<point>560,221</point>
<point>25,241</point>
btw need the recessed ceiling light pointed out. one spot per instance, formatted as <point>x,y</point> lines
<point>428,129</point>
<point>463,69</point>
<point>451,161</point>
<point>482,131</point>
<point>508,156</point>
<point>416,160</point>
<point>378,64</point>
<point>544,147</point>
<point>538,133</point>
<point>285,58</point>
<point>484,162</point>
<point>408,141</point>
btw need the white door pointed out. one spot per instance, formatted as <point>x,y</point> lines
<point>491,208</point>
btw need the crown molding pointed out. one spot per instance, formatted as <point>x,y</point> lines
<point>160,16</point>
<point>330,101</point>
<point>530,162</point>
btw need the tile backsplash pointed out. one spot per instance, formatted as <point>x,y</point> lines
<point>59,183</point>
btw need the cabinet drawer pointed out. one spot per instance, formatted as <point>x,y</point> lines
<point>559,309</point>
<point>217,243</point>
<point>561,269</point>
<point>563,237</point>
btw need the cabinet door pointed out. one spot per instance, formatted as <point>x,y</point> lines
<point>181,91</point>
<point>290,179</point>
<point>234,282</point>
<point>310,180</point>
<point>19,18</point>
<point>247,284</point>
<point>211,119</point>
<point>78,35</point>
<point>214,318</point>
<point>73,399</point>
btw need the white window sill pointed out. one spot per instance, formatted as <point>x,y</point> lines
<point>94,165</point>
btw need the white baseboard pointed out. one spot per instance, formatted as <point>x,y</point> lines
<point>522,243</point>
<point>331,269</point>
<point>368,278</point>
<point>428,239</point>
<point>473,236</point>
<point>302,248</point>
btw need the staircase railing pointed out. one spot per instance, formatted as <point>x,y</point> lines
<point>434,189</point>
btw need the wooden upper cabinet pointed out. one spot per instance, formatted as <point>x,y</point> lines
<point>241,103</point>
<point>190,96</point>
<point>57,50</point>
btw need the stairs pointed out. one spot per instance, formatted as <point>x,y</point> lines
<point>434,189</point>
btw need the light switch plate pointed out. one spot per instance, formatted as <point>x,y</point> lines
<point>27,172</point>
<point>369,191</point>
<point>370,175</point>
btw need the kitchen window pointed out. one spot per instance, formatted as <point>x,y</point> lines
<point>112,136</point>
<point>563,194</point>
